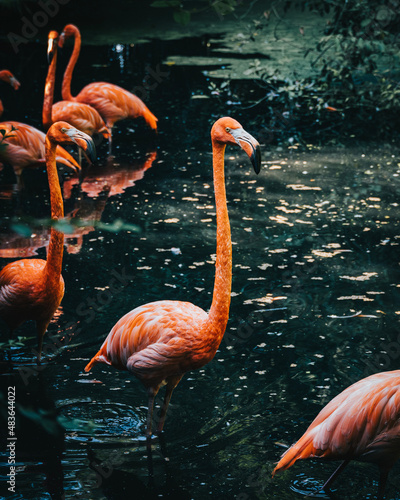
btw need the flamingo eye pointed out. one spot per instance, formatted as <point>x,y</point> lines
<point>228,129</point>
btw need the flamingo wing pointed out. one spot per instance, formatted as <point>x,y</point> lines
<point>362,422</point>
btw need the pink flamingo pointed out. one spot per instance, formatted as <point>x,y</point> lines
<point>112,102</point>
<point>361,423</point>
<point>160,341</point>
<point>33,288</point>
<point>79,115</point>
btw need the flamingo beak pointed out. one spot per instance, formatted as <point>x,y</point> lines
<point>51,47</point>
<point>249,145</point>
<point>84,141</point>
<point>14,83</point>
<point>61,40</point>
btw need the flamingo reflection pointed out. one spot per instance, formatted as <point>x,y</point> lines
<point>89,201</point>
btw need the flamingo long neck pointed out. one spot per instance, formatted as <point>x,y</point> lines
<point>219,312</point>
<point>66,84</point>
<point>49,92</point>
<point>55,250</point>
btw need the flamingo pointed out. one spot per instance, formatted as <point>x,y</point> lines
<point>361,423</point>
<point>8,77</point>
<point>79,115</point>
<point>112,102</point>
<point>34,288</point>
<point>25,148</point>
<point>160,341</point>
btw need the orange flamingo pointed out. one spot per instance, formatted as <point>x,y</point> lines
<point>79,115</point>
<point>160,341</point>
<point>34,288</point>
<point>112,102</point>
<point>361,423</point>
<point>25,148</point>
<point>8,77</point>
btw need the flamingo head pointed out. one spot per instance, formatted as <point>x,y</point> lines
<point>229,131</point>
<point>51,45</point>
<point>68,31</point>
<point>63,133</point>
<point>8,77</point>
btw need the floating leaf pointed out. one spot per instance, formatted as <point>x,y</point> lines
<point>22,229</point>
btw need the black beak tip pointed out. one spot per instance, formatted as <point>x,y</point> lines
<point>91,151</point>
<point>256,159</point>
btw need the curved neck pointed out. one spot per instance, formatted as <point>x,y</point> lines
<point>49,93</point>
<point>55,250</point>
<point>219,311</point>
<point>66,84</point>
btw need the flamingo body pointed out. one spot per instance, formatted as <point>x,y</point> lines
<point>26,148</point>
<point>32,289</point>
<point>24,293</point>
<point>361,423</point>
<point>115,103</point>
<point>156,341</point>
<point>160,341</point>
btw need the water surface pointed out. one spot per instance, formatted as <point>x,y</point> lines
<point>314,303</point>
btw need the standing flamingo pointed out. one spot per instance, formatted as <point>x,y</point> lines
<point>34,288</point>
<point>160,341</point>
<point>361,423</point>
<point>25,148</point>
<point>8,77</point>
<point>111,101</point>
<point>79,115</point>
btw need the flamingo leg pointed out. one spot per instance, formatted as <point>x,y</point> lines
<point>110,142</point>
<point>41,330</point>
<point>152,396</point>
<point>172,383</point>
<point>382,482</point>
<point>328,483</point>
<point>164,409</point>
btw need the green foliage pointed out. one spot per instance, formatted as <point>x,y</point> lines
<point>18,342</point>
<point>359,55</point>
<point>27,226</point>
<point>355,68</point>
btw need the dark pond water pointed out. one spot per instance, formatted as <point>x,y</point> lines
<point>315,303</point>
